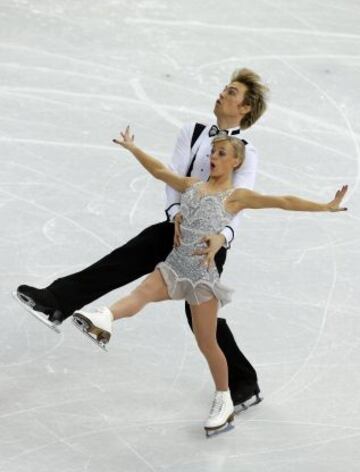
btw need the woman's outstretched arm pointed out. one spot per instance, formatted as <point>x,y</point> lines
<point>241,199</point>
<point>156,168</point>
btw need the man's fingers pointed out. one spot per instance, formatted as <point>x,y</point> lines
<point>204,262</point>
<point>208,262</point>
<point>200,252</point>
<point>177,229</point>
<point>177,237</point>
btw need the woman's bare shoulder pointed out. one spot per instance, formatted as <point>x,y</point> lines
<point>240,192</point>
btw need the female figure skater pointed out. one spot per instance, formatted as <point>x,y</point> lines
<point>206,208</point>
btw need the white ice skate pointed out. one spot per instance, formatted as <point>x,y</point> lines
<point>96,325</point>
<point>28,305</point>
<point>221,414</point>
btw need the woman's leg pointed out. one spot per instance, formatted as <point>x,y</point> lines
<point>204,324</point>
<point>151,289</point>
<point>129,262</point>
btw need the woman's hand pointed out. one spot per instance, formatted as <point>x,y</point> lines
<point>214,242</point>
<point>334,205</point>
<point>127,140</point>
<point>177,234</point>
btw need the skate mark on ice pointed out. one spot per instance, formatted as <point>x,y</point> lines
<point>145,100</point>
<point>245,29</point>
<point>140,193</point>
<point>333,284</point>
<point>59,215</point>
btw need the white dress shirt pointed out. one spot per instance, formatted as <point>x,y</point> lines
<point>182,156</point>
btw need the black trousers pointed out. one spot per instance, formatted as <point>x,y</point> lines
<point>133,260</point>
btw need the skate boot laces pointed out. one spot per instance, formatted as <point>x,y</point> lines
<point>217,404</point>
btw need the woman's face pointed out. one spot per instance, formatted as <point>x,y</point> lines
<point>222,159</point>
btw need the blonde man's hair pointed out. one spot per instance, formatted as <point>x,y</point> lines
<point>255,95</point>
<point>237,145</point>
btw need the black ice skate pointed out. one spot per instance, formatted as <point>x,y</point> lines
<point>241,400</point>
<point>40,304</point>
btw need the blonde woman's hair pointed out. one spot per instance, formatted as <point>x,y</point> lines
<point>237,145</point>
<point>255,95</point>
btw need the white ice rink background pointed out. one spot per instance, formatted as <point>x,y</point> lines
<point>72,74</point>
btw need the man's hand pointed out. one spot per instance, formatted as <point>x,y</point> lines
<point>214,242</point>
<point>177,234</point>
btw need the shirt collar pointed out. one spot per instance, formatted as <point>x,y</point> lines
<point>231,131</point>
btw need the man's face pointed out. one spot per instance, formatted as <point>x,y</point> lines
<point>230,102</point>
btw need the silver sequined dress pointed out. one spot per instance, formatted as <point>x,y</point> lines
<point>183,273</point>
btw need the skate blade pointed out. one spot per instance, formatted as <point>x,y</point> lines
<point>36,314</point>
<point>80,326</point>
<point>228,426</point>
<point>244,406</point>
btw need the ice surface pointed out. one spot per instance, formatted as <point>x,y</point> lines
<point>72,74</point>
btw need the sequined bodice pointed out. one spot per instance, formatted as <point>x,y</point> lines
<point>185,272</point>
<point>202,214</point>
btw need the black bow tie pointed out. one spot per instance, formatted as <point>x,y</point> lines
<point>215,131</point>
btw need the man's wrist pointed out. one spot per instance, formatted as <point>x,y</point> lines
<point>172,211</point>
<point>228,235</point>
